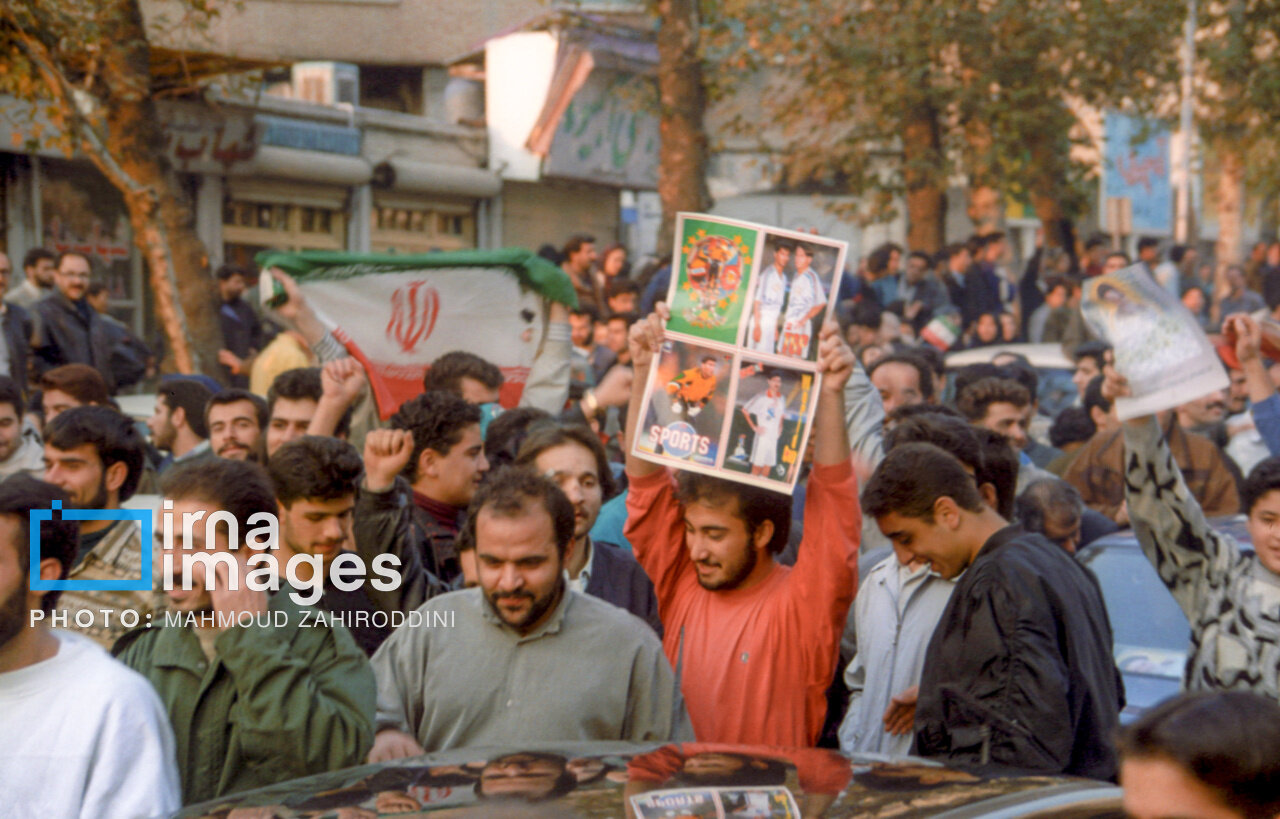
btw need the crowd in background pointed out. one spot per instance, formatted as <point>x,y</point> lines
<point>568,590</point>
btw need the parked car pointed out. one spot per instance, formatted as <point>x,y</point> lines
<point>1056,392</point>
<point>653,781</point>
<point>1151,633</point>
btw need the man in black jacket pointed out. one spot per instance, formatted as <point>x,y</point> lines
<point>1020,672</point>
<point>70,331</point>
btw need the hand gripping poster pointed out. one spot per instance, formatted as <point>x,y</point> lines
<point>732,391</point>
<point>1158,345</point>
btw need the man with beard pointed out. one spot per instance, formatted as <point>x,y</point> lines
<point>756,640</point>
<point>315,480</point>
<point>177,424</point>
<point>20,449</point>
<point>81,734</point>
<point>527,659</point>
<point>96,455</point>
<point>236,420</point>
<point>68,330</point>
<point>575,460</point>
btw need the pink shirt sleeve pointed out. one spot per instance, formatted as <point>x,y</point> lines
<point>825,576</point>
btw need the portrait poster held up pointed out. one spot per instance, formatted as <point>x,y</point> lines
<point>733,391</point>
<point>1158,345</point>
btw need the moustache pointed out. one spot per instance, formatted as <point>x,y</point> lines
<point>512,596</point>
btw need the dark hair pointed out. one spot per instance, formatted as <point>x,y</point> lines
<point>1093,396</point>
<point>1263,478</point>
<point>549,436</point>
<point>296,385</point>
<point>999,468</point>
<point>867,314</point>
<point>1097,350</point>
<point>59,537</point>
<point>233,394</point>
<point>923,374</point>
<point>511,492</point>
<point>66,253</point>
<point>754,504</point>
<point>239,487</point>
<point>505,434</point>
<point>1177,253</point>
<point>1147,242</point>
<point>36,255</point>
<point>1094,241</point>
<point>11,393</point>
<point>1020,370</point>
<point>80,381</point>
<point>925,411</point>
<point>1228,740</point>
<point>922,256</point>
<point>436,420</point>
<point>314,466</point>
<point>447,371</point>
<point>878,261</point>
<point>1048,499</point>
<point>975,399</point>
<point>191,397</point>
<point>782,243</point>
<point>951,434</point>
<point>113,435</point>
<point>617,286</point>
<point>630,317</point>
<point>588,310</point>
<point>912,477</point>
<point>1073,425</point>
<point>95,288</point>
<point>575,244</point>
<point>973,373</point>
<point>955,249</point>
<point>933,357</point>
<point>226,271</point>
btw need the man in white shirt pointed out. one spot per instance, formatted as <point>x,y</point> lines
<point>81,734</point>
<point>806,302</point>
<point>768,407</point>
<point>771,292</point>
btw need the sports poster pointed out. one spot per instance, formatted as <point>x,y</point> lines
<point>733,390</point>
<point>1159,346</point>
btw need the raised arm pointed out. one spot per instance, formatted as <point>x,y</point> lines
<point>644,342</point>
<point>1170,525</point>
<point>547,387</point>
<point>1263,400</point>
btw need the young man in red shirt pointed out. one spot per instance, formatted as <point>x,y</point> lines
<point>756,642</point>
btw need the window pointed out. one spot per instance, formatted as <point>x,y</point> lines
<point>402,227</point>
<point>283,226</point>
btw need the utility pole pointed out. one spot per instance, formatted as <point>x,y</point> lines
<point>1182,223</point>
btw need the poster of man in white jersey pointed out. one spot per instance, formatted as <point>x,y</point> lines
<point>770,296</point>
<point>808,299</point>
<point>766,434</point>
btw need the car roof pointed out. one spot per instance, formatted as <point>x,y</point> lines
<point>1041,356</point>
<point>601,777</point>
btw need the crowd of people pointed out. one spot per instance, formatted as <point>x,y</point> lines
<point>459,575</point>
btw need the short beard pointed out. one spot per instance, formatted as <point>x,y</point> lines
<point>537,609</point>
<point>99,498</point>
<point>13,613</point>
<point>735,580</point>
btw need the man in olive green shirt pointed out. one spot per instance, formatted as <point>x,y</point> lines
<point>278,695</point>
<point>522,658</point>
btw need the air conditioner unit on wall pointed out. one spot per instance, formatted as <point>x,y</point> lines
<point>327,83</point>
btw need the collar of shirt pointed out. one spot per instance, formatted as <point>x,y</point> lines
<point>195,452</point>
<point>584,577</point>
<point>550,626</point>
<point>445,514</point>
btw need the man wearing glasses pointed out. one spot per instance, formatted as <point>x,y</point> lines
<point>69,330</point>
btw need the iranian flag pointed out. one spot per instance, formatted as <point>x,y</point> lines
<point>396,314</point>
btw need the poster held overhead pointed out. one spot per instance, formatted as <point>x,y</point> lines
<point>733,391</point>
<point>1158,345</point>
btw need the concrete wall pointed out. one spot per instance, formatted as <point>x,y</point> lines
<point>551,211</point>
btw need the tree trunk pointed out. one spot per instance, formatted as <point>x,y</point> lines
<point>926,196</point>
<point>1230,201</point>
<point>682,155</point>
<point>132,157</point>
